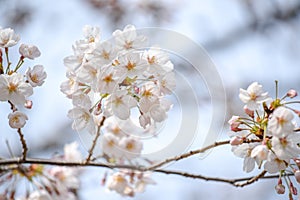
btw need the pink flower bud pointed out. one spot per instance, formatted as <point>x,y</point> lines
<point>236,140</point>
<point>292,93</point>
<point>297,175</point>
<point>293,189</point>
<point>249,112</point>
<point>280,189</point>
<point>28,104</point>
<point>234,123</point>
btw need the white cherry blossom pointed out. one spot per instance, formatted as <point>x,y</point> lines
<point>29,51</point>
<point>14,88</point>
<point>109,144</point>
<point>286,147</point>
<point>8,38</point>
<point>82,119</point>
<point>131,147</point>
<point>36,76</point>
<point>119,183</point>
<point>128,38</point>
<point>71,152</point>
<point>253,96</point>
<point>281,124</point>
<point>17,119</point>
<point>274,164</point>
<point>119,103</point>
<point>39,195</point>
<point>260,152</point>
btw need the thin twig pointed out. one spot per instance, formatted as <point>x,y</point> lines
<point>252,180</point>
<point>194,152</point>
<point>24,145</point>
<point>91,151</point>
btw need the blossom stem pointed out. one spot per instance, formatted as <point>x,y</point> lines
<point>291,102</point>
<point>88,159</point>
<point>7,60</point>
<point>20,62</point>
<point>191,153</point>
<point>276,89</point>
<point>24,145</point>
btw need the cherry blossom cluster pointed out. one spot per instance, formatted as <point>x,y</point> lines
<point>47,183</point>
<point>16,87</point>
<point>110,80</point>
<point>267,136</point>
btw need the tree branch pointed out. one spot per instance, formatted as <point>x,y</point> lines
<point>95,140</point>
<point>191,153</point>
<point>24,145</point>
<point>9,164</point>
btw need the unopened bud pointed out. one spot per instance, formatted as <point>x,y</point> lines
<point>280,189</point>
<point>236,140</point>
<point>293,189</point>
<point>249,112</point>
<point>297,175</point>
<point>28,104</point>
<point>292,93</point>
<point>234,123</point>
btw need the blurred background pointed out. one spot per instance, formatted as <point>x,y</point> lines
<point>248,40</point>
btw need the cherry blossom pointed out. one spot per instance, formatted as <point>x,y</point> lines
<point>128,38</point>
<point>29,51</point>
<point>8,38</point>
<point>131,147</point>
<point>119,183</point>
<point>14,88</point>
<point>280,124</point>
<point>119,104</point>
<point>17,119</point>
<point>36,76</point>
<point>253,96</point>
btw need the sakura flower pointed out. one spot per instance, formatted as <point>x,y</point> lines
<point>144,179</point>
<point>39,195</point>
<point>36,76</point>
<point>70,86</point>
<point>71,152</point>
<point>120,103</point>
<point>110,146</point>
<point>81,99</point>
<point>158,61</point>
<point>107,81</point>
<point>260,152</point>
<point>17,119</point>
<point>274,164</point>
<point>167,83</point>
<point>66,176</point>
<point>281,124</point>
<point>132,64</point>
<point>253,96</point>
<point>128,38</point>
<point>104,53</point>
<point>8,38</point>
<point>286,147</point>
<point>91,33</point>
<point>82,119</point>
<point>244,151</point>
<point>14,88</point>
<point>87,74</point>
<point>119,183</point>
<point>29,51</point>
<point>131,146</point>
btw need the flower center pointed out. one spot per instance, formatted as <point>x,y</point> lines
<point>12,87</point>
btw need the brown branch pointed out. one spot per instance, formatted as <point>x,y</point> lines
<point>194,152</point>
<point>9,164</point>
<point>252,180</point>
<point>95,141</point>
<point>24,145</point>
